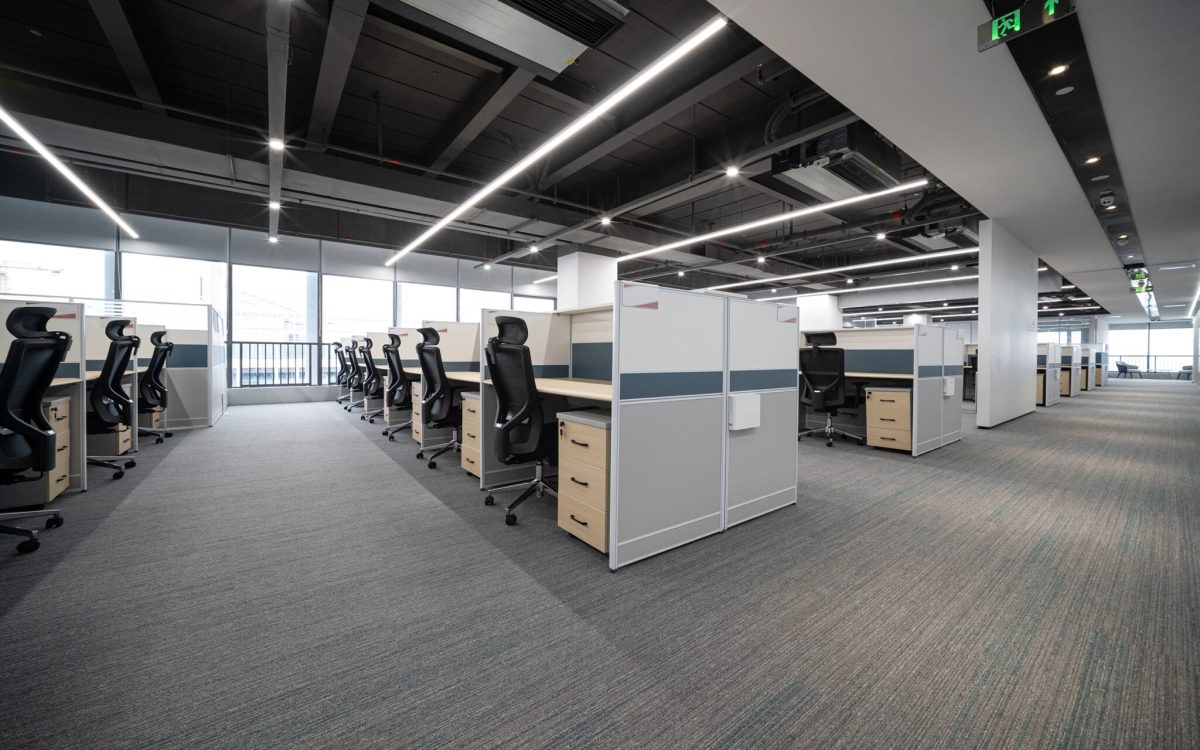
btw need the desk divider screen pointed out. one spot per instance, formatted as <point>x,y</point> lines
<point>953,355</point>
<point>763,361</point>
<point>218,400</point>
<point>549,345</point>
<point>591,344</point>
<point>409,338</point>
<point>68,318</point>
<point>97,352</point>
<point>668,420</point>
<point>378,339</point>
<point>459,345</point>
<point>1070,358</point>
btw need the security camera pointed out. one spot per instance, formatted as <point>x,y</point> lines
<point>1107,198</point>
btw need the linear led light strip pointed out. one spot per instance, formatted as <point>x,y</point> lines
<point>677,53</point>
<point>544,280</point>
<point>855,267</point>
<point>1195,302</point>
<point>64,170</point>
<point>851,290</point>
<point>1060,309</point>
<point>920,309</point>
<point>770,220</point>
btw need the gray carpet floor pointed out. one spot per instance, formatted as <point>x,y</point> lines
<point>290,579</point>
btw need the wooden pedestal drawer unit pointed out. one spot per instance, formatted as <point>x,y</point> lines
<point>1064,383</point>
<point>115,443</point>
<point>583,475</point>
<point>151,420</point>
<point>1041,388</point>
<point>56,480</point>
<point>417,424</point>
<point>889,418</point>
<point>470,433</point>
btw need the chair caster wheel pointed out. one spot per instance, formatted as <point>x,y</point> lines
<point>130,464</point>
<point>510,520</point>
<point>829,444</point>
<point>118,474</point>
<point>158,441</point>
<point>168,434</point>
<point>489,500</point>
<point>862,442</point>
<point>433,464</point>
<point>53,522</point>
<point>27,546</point>
<point>371,420</point>
<point>384,433</point>
<point>391,438</point>
<point>421,455</point>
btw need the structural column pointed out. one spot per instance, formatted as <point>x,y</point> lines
<point>585,280</point>
<point>1008,289</point>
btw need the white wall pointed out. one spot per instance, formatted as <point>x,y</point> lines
<point>1007,326</point>
<point>585,280</point>
<point>818,313</point>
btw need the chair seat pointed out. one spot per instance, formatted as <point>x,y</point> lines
<point>15,452</point>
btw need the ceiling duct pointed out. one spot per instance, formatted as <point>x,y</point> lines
<point>587,21</point>
<point>847,162</point>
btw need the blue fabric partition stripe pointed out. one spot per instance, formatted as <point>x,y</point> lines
<point>762,380</point>
<point>65,370</point>
<point>188,355</point>
<point>1066,360</point>
<point>952,370</point>
<point>1042,360</point>
<point>551,371</point>
<point>885,361</point>
<point>592,361</point>
<point>928,371</point>
<point>461,366</point>
<point>636,385</point>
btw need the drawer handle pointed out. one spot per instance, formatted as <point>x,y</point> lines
<point>576,442</point>
<point>887,419</point>
<point>63,478</point>
<point>888,400</point>
<point>470,436</point>
<point>471,411</point>
<point>581,484</point>
<point>887,438</point>
<point>60,450</point>
<point>576,520</point>
<point>469,460</point>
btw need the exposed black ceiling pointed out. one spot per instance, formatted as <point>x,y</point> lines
<point>419,102</point>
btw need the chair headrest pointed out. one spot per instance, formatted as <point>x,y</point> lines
<point>394,340</point>
<point>114,329</point>
<point>337,345</point>
<point>367,342</point>
<point>156,338</point>
<point>353,344</point>
<point>512,330</point>
<point>29,322</point>
<point>429,336</point>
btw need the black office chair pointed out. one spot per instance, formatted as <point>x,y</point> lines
<point>152,387</point>
<point>354,381</point>
<point>111,407</point>
<point>441,399</point>
<point>399,390</point>
<point>343,373</point>
<point>525,427</point>
<point>26,438</point>
<point>823,372</point>
<point>973,362</point>
<point>372,379</point>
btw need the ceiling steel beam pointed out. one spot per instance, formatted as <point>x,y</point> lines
<point>120,36</point>
<point>278,17</point>
<point>491,97</point>
<point>725,74</point>
<point>341,39</point>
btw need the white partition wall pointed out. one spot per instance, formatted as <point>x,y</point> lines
<point>1048,359</point>
<point>549,345</point>
<point>668,420</point>
<point>409,338</point>
<point>68,380</point>
<point>1008,287</point>
<point>1070,358</point>
<point>459,344</point>
<point>937,387</point>
<point>764,402</point>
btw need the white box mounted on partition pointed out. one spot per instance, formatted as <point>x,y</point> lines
<point>745,411</point>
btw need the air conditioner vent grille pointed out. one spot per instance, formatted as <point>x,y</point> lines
<point>577,19</point>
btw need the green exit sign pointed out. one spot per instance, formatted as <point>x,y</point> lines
<point>1029,17</point>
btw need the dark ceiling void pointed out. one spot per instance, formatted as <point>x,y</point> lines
<point>1054,61</point>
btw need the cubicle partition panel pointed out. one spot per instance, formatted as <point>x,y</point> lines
<point>1049,374</point>
<point>1100,363</point>
<point>1070,358</point>
<point>949,399</point>
<point>764,401</point>
<point>668,420</point>
<point>549,345</point>
<point>96,352</point>
<point>1085,367</point>
<point>378,339</point>
<point>68,383</point>
<point>592,343</point>
<point>459,345</point>
<point>409,338</point>
<point>218,398</point>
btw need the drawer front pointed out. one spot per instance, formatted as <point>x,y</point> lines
<point>59,415</point>
<point>1041,389</point>
<point>584,482</point>
<point>470,460</point>
<point>124,440</point>
<point>416,429</point>
<point>470,412</point>
<point>470,437</point>
<point>57,481</point>
<point>62,440</point>
<point>880,437</point>
<point>1064,384</point>
<point>885,400</point>
<point>584,443</point>
<point>582,520</point>
<point>889,418</point>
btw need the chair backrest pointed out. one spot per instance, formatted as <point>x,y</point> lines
<point>437,397</point>
<point>823,370</point>
<point>33,359</point>
<point>354,379</point>
<point>343,373</point>
<point>399,391</point>
<point>520,424</point>
<point>152,388</point>
<point>109,402</point>
<point>1122,367</point>
<point>372,383</point>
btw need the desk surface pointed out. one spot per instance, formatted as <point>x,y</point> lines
<point>880,375</point>
<point>63,381</point>
<point>591,390</point>
<point>457,376</point>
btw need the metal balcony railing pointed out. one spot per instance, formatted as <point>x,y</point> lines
<point>1153,363</point>
<point>263,363</point>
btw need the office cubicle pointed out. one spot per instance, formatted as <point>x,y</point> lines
<point>96,346</point>
<point>68,383</point>
<point>1049,374</point>
<point>1100,364</point>
<point>408,361</point>
<point>1086,374</point>
<point>970,375</point>
<point>459,346</point>
<point>923,360</point>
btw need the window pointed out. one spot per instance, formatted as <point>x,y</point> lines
<point>421,302</point>
<point>274,304</point>
<point>471,301</point>
<point>158,278</point>
<point>1170,348</point>
<point>352,307</point>
<point>31,269</point>
<point>532,304</point>
<point>1128,345</point>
